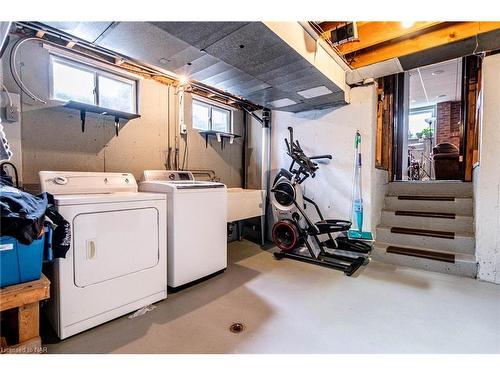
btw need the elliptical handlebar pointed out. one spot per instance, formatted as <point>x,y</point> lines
<point>321,157</point>
<point>307,167</point>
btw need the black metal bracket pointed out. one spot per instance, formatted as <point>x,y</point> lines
<point>84,108</point>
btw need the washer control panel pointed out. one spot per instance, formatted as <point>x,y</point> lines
<point>160,175</point>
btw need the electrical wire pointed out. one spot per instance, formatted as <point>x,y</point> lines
<point>184,157</point>
<point>15,73</point>
<point>8,94</point>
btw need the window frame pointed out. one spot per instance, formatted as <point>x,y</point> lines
<point>210,107</point>
<point>97,71</point>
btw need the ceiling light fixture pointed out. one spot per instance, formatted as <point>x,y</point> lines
<point>315,92</point>
<point>281,103</point>
<point>406,24</point>
<point>438,72</point>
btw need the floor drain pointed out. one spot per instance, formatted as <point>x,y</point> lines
<point>236,327</point>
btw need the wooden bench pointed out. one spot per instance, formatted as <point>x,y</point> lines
<point>25,298</point>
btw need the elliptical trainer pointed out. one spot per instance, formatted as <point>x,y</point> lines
<point>293,228</point>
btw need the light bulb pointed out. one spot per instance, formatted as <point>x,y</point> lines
<point>406,24</point>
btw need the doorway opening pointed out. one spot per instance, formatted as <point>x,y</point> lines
<point>433,124</point>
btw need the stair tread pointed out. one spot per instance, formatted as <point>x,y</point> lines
<point>457,216</point>
<point>456,233</point>
<point>423,232</point>
<point>444,198</point>
<point>462,257</point>
<point>427,254</point>
<point>441,215</point>
<point>440,198</point>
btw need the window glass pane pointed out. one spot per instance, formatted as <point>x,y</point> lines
<point>417,124</point>
<point>220,120</point>
<point>201,115</point>
<point>72,83</point>
<point>116,94</point>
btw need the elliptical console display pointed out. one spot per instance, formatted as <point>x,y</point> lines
<point>296,234</point>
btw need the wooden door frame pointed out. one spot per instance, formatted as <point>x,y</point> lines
<point>469,127</point>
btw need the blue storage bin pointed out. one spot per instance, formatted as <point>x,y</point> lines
<point>20,263</point>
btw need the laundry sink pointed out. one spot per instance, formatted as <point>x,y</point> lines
<point>244,203</point>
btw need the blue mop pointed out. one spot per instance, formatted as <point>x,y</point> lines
<point>357,200</point>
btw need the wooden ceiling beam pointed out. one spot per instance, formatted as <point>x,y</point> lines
<point>373,33</point>
<point>406,46</point>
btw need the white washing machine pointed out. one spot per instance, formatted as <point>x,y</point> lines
<point>196,224</point>
<point>117,262</point>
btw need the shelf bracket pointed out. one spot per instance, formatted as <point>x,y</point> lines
<point>117,125</point>
<point>83,114</point>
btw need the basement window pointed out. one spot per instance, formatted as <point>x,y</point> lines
<point>75,81</point>
<point>211,117</point>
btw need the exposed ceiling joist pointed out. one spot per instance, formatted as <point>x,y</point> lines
<point>420,42</point>
<point>373,33</point>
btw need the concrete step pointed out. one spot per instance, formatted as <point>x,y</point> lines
<point>458,206</point>
<point>408,219</point>
<point>463,242</point>
<point>451,188</point>
<point>463,265</point>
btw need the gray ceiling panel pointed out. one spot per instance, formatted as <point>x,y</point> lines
<point>227,76</point>
<point>284,69</point>
<point>249,87</point>
<point>244,58</point>
<point>197,65</point>
<point>200,34</point>
<point>326,101</point>
<point>211,71</point>
<point>261,46</point>
<point>150,44</point>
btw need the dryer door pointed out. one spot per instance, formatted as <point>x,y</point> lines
<point>111,244</point>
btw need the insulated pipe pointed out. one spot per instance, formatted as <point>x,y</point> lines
<point>266,161</point>
<point>244,151</point>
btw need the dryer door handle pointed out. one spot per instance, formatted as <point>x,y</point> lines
<point>91,249</point>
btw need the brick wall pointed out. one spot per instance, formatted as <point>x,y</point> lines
<point>449,116</point>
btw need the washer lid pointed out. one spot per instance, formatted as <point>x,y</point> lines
<point>73,199</point>
<point>173,186</point>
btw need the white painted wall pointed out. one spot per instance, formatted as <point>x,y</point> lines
<point>332,132</point>
<point>487,176</point>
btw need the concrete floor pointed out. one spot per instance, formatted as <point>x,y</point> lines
<point>293,307</point>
